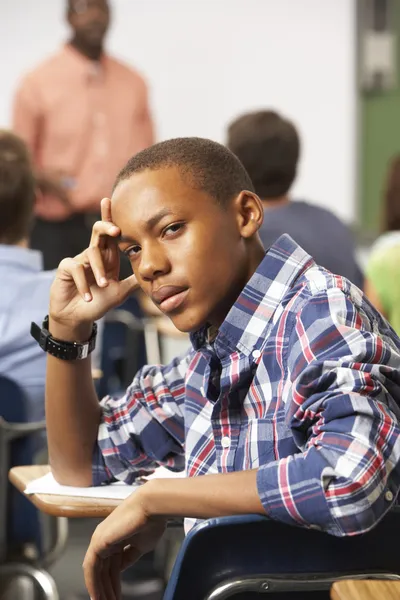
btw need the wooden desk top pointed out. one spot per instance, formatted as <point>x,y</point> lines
<point>364,589</point>
<point>60,506</point>
<point>97,374</point>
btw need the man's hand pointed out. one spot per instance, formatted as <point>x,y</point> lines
<point>54,184</point>
<point>86,287</point>
<point>53,202</point>
<point>118,542</point>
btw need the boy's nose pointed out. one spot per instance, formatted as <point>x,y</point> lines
<point>152,264</point>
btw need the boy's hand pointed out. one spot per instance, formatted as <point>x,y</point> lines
<point>86,287</point>
<point>118,542</point>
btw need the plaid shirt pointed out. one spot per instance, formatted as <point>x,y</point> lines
<point>302,383</point>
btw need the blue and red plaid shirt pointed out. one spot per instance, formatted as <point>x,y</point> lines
<point>302,383</point>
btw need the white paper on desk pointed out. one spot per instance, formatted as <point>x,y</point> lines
<point>115,491</point>
<point>48,485</point>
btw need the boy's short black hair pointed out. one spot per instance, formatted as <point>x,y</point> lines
<point>207,165</point>
<point>268,146</point>
<point>17,189</point>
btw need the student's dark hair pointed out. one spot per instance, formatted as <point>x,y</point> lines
<point>268,146</point>
<point>391,216</point>
<point>17,189</point>
<point>207,166</point>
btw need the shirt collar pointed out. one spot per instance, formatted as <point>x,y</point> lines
<point>249,317</point>
<point>24,258</point>
<point>81,64</point>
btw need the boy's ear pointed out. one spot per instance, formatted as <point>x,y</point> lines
<point>249,213</point>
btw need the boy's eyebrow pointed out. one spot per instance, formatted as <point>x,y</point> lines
<point>124,238</point>
<point>152,222</point>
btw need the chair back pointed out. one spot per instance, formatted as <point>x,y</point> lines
<point>123,351</point>
<point>235,548</point>
<point>19,518</point>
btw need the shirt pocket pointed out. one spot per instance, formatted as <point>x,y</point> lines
<point>256,444</point>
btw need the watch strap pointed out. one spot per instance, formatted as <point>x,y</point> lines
<point>59,348</point>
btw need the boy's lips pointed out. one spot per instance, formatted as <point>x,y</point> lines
<point>169,297</point>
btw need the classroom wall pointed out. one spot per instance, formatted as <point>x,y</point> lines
<point>379,143</point>
<point>208,60</point>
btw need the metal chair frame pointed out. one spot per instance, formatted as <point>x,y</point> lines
<point>36,569</point>
<point>262,584</point>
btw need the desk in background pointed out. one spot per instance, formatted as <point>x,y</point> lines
<point>365,589</point>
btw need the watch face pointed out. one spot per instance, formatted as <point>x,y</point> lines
<point>82,351</point>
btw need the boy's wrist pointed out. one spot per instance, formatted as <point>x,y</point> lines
<point>153,498</point>
<point>74,332</point>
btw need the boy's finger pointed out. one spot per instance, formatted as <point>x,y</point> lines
<point>92,574</point>
<point>96,264</point>
<point>130,556</point>
<point>105,205</point>
<point>101,229</point>
<point>107,581</point>
<point>127,287</point>
<point>76,270</point>
<point>115,574</point>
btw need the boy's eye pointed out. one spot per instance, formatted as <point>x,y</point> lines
<point>132,251</point>
<point>171,229</point>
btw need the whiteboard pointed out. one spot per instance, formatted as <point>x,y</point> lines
<point>206,61</point>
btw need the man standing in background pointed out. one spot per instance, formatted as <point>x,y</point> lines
<point>82,115</point>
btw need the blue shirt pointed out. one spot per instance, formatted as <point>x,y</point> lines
<point>325,237</point>
<point>302,383</point>
<point>24,297</point>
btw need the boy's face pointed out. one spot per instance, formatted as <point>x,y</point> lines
<point>188,253</point>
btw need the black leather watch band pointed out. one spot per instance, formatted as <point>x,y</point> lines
<point>59,348</point>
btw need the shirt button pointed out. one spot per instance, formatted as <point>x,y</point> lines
<point>256,354</point>
<point>226,442</point>
<point>389,496</point>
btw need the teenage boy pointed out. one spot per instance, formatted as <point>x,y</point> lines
<point>287,404</point>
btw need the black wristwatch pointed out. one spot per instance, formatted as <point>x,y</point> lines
<point>59,348</point>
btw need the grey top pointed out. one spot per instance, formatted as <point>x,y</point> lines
<point>319,232</point>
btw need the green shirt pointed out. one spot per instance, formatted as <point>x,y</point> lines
<point>383,271</point>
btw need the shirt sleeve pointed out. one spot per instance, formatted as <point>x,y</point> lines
<point>144,428</point>
<point>342,410</point>
<point>27,115</point>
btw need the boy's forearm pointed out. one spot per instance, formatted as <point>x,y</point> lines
<point>72,413</point>
<point>203,497</point>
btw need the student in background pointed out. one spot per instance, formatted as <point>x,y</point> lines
<point>268,145</point>
<point>25,287</point>
<point>287,403</point>
<point>82,114</point>
<point>382,284</point>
